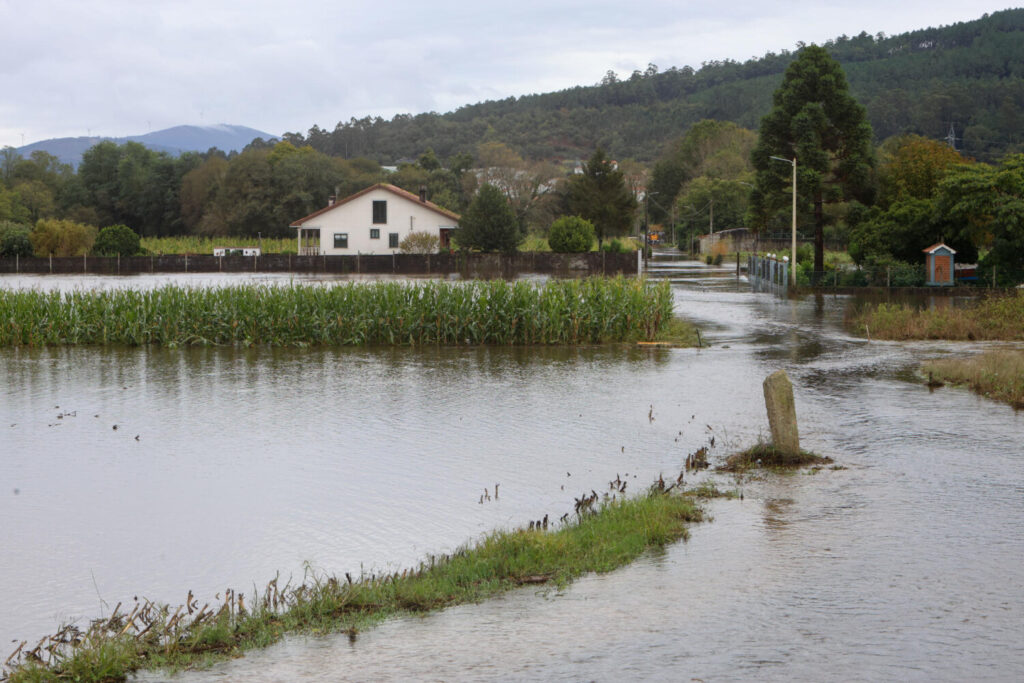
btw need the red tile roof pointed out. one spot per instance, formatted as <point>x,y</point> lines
<point>379,186</point>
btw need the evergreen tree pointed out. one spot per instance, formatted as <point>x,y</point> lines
<point>989,202</point>
<point>815,120</point>
<point>489,224</point>
<point>600,195</point>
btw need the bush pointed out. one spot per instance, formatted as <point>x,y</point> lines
<point>62,238</point>
<point>904,274</point>
<point>571,234</point>
<point>853,278</point>
<point>115,240</point>
<point>615,247</point>
<point>804,253</point>
<point>14,239</point>
<point>420,243</point>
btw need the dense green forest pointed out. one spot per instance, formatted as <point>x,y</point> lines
<point>969,76</point>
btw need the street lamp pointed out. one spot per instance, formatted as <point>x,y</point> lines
<point>792,269</point>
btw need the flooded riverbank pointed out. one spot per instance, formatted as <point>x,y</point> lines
<point>905,565</point>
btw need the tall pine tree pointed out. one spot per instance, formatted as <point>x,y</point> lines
<point>815,120</point>
<point>601,196</point>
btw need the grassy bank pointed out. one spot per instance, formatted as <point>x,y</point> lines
<point>998,375</point>
<point>602,537</point>
<point>594,310</point>
<point>995,318</point>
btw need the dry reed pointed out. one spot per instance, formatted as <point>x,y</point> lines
<point>992,318</point>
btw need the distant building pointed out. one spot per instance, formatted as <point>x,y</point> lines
<point>372,221</point>
<point>736,239</point>
<point>939,263</point>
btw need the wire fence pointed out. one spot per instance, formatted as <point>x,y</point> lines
<point>900,275</point>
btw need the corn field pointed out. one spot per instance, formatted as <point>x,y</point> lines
<point>383,313</point>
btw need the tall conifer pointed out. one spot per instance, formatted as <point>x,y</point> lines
<point>817,121</point>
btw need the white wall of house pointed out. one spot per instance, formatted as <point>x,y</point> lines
<point>349,227</point>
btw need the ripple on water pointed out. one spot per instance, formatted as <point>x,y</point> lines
<point>904,565</point>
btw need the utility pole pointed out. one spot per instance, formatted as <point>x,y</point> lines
<point>645,242</point>
<point>951,136</point>
<point>675,228</point>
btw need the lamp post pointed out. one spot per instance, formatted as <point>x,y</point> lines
<point>792,269</point>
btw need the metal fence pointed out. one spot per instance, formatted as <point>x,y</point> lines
<point>768,274</point>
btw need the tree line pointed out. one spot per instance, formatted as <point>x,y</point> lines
<point>882,200</point>
<point>968,77</point>
<point>47,207</point>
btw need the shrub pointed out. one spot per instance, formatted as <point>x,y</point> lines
<point>853,278</point>
<point>804,253</point>
<point>721,249</point>
<point>571,234</point>
<point>62,238</point>
<point>615,247</point>
<point>420,243</point>
<point>116,239</point>
<point>14,239</point>
<point>906,275</point>
<point>804,272</point>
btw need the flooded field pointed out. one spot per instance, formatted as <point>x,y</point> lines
<point>906,564</point>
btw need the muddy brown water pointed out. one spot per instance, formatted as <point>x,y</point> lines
<point>905,565</point>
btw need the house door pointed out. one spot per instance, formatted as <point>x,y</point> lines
<point>942,273</point>
<point>446,238</point>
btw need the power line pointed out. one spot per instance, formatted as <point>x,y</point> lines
<point>951,137</point>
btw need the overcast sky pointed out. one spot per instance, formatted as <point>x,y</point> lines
<point>126,67</point>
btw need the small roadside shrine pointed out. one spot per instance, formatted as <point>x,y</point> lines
<point>939,265</point>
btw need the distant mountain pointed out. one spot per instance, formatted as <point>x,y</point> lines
<point>174,141</point>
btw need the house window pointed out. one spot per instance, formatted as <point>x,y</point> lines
<point>380,211</point>
<point>393,240</point>
<point>341,240</point>
<point>374,233</point>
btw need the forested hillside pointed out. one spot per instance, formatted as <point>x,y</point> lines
<point>969,76</point>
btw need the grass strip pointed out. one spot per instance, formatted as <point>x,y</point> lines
<point>593,310</point>
<point>992,318</point>
<point>766,456</point>
<point>998,375</point>
<point>601,537</point>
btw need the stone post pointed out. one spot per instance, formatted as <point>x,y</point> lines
<point>778,399</point>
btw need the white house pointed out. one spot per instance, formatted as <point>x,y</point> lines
<point>372,221</point>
